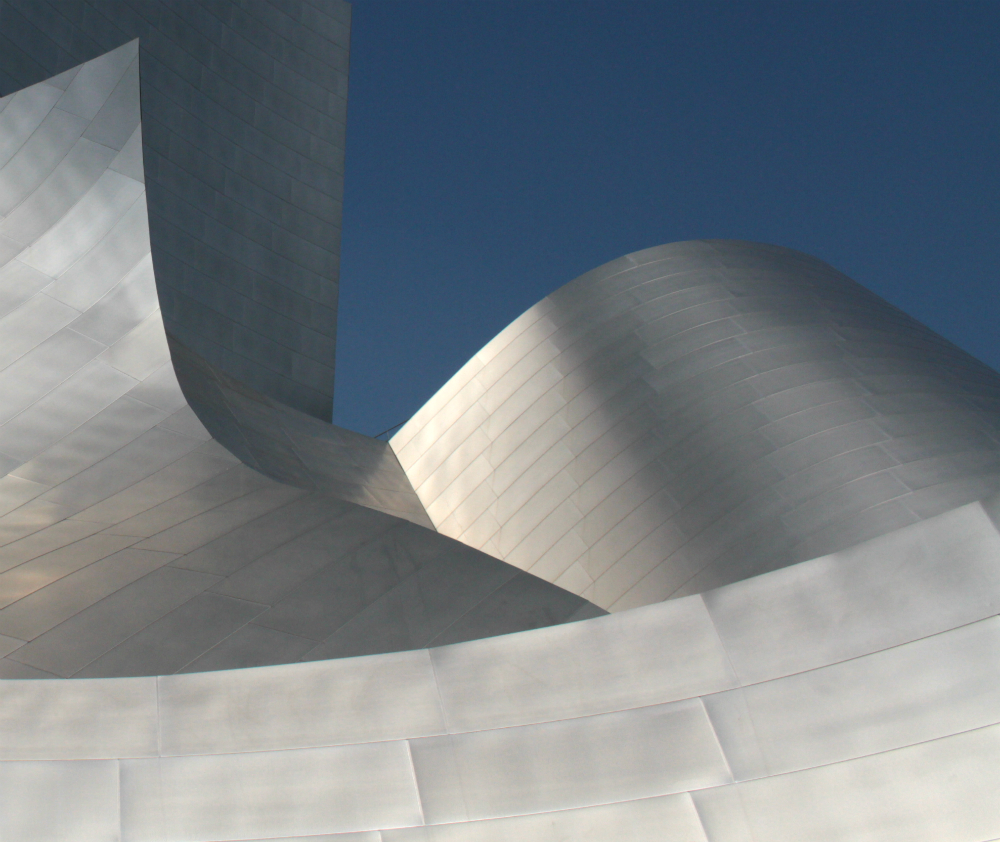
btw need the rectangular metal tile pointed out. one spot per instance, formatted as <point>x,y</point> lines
<point>176,638</point>
<point>627,660</point>
<point>251,646</point>
<point>72,645</point>
<point>932,576</point>
<point>84,225</point>
<point>300,705</point>
<point>31,576</point>
<point>49,606</point>
<point>74,720</point>
<point>920,691</point>
<point>669,817</point>
<point>28,108</point>
<point>86,792</point>
<point>75,175</point>
<point>898,796</point>
<point>638,753</point>
<point>269,794</point>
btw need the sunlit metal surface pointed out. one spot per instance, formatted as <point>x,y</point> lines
<point>698,413</point>
<point>815,464</point>
<point>891,734</point>
<point>133,539</point>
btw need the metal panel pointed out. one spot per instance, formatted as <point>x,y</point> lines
<point>79,230</point>
<point>649,820</point>
<point>177,638</point>
<point>76,174</point>
<point>45,720</point>
<point>28,577</point>
<point>920,691</point>
<point>71,801</point>
<point>856,602</point>
<point>78,641</point>
<point>95,81</point>
<point>267,794</point>
<point>35,161</point>
<point>54,603</point>
<point>29,108</point>
<point>624,661</point>
<point>122,255</point>
<point>75,401</point>
<point>950,793</point>
<point>249,710</point>
<point>529,769</point>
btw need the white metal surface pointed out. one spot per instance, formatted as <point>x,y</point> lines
<point>895,739</point>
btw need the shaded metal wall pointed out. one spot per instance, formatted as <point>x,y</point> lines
<point>131,540</point>
<point>696,414</point>
<point>244,110</point>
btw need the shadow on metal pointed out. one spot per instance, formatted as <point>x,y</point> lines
<point>133,539</point>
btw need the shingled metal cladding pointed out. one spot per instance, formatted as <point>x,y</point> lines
<point>734,422</point>
<point>133,539</point>
<point>698,413</point>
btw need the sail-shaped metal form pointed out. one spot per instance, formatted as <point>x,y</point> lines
<point>784,488</point>
<point>698,413</point>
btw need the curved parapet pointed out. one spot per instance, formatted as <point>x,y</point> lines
<point>854,696</point>
<point>244,108</point>
<point>696,414</point>
<point>131,540</point>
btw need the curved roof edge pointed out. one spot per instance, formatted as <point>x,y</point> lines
<point>696,414</point>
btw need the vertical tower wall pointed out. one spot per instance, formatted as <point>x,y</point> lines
<point>244,109</point>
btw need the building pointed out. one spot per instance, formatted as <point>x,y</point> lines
<point>223,618</point>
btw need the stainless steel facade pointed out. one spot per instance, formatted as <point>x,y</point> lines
<point>244,108</point>
<point>853,696</point>
<point>143,534</point>
<point>698,413</point>
<point>790,484</point>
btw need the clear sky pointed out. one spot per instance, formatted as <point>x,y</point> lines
<point>498,149</point>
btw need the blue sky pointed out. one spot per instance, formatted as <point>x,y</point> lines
<point>497,149</point>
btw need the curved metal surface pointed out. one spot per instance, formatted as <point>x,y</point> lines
<point>133,542</point>
<point>244,108</point>
<point>718,409</point>
<point>852,696</point>
<point>696,414</point>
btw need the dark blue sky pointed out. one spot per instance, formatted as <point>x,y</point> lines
<point>496,150</point>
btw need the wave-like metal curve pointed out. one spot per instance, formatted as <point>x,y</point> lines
<point>696,414</point>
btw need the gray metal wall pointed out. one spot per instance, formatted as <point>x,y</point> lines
<point>852,697</point>
<point>696,414</point>
<point>244,110</point>
<point>132,541</point>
